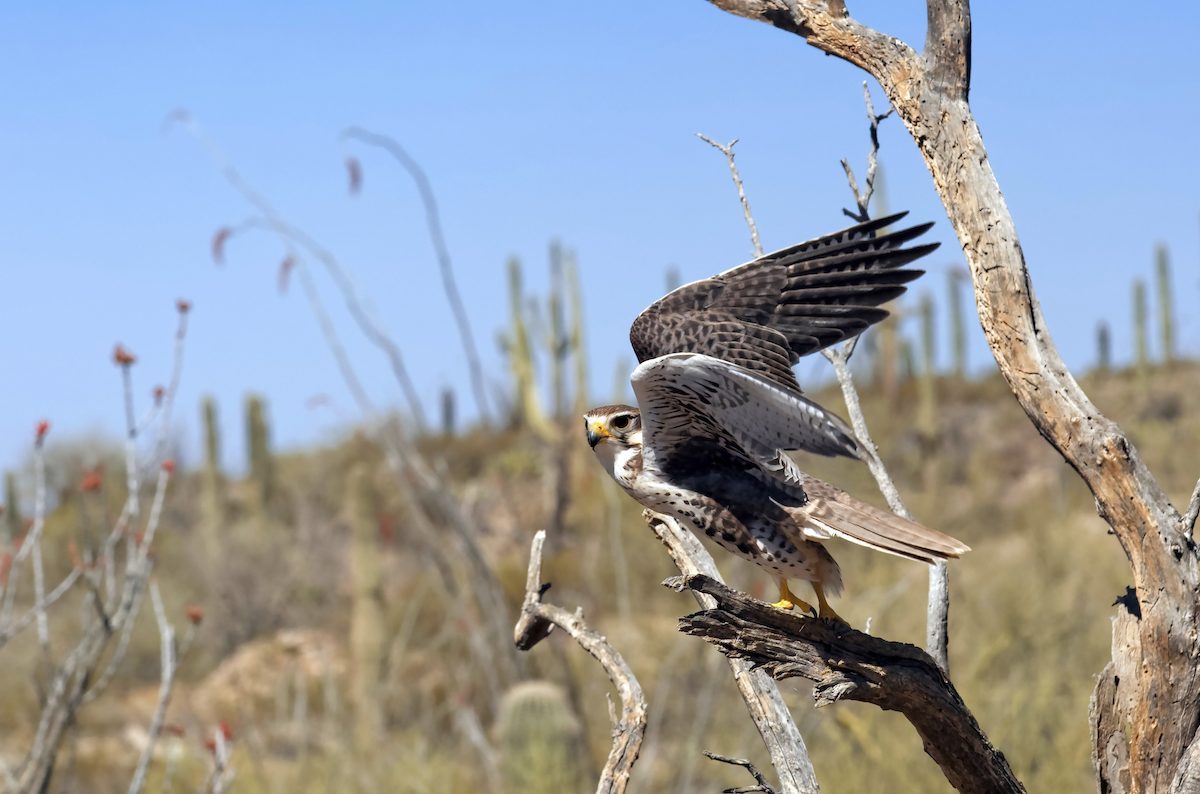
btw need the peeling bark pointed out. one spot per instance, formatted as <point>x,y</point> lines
<point>845,664</point>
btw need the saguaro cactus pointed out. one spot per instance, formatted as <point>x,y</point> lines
<point>1103,348</point>
<point>558,343</point>
<point>213,514</point>
<point>927,387</point>
<point>888,354</point>
<point>1166,308</point>
<point>366,611</point>
<point>258,449</point>
<point>539,740</point>
<point>958,321</point>
<point>1140,332</point>
<point>575,331</point>
<point>448,412</point>
<point>526,409</point>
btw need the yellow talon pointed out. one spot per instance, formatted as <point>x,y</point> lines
<point>825,612</point>
<point>789,600</point>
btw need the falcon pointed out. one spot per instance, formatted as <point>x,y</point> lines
<point>719,408</point>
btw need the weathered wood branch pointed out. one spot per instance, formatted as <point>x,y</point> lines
<point>1147,702</point>
<point>845,664</point>
<point>760,783</point>
<point>727,150</point>
<point>770,714</point>
<point>536,622</point>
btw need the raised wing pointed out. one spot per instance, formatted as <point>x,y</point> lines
<point>699,411</point>
<point>765,314</point>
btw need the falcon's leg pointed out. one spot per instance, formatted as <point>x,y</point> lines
<point>788,599</point>
<point>825,612</point>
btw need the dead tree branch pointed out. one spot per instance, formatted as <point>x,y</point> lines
<point>760,782</point>
<point>1193,511</point>
<point>449,282</point>
<point>535,623</point>
<point>863,198</point>
<point>727,150</point>
<point>845,664</point>
<point>1146,706</point>
<point>770,714</point>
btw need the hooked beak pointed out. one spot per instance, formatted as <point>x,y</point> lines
<point>596,433</point>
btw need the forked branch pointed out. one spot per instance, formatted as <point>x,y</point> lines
<point>535,623</point>
<point>727,150</point>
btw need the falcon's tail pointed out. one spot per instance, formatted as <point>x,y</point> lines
<point>836,513</point>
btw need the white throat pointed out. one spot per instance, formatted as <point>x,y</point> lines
<point>618,461</point>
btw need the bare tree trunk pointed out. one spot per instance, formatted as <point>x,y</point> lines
<point>1147,703</point>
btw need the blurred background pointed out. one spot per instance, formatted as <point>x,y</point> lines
<point>377,406</point>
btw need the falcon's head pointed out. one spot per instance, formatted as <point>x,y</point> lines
<point>614,433</point>
<point>615,425</point>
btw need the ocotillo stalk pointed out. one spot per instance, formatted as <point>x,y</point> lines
<point>1166,308</point>
<point>1140,333</point>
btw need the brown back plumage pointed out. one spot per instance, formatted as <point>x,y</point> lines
<point>765,314</point>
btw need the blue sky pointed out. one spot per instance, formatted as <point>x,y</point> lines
<point>534,121</point>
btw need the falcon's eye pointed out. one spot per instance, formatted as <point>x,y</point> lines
<point>620,422</point>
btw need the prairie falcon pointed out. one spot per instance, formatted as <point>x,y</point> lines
<point>719,407</point>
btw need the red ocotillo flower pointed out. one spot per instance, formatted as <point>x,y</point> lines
<point>40,431</point>
<point>122,357</point>
<point>92,480</point>
<point>285,270</point>
<point>183,305</point>
<point>219,239</point>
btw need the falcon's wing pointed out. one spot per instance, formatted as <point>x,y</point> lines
<point>765,314</point>
<point>698,411</point>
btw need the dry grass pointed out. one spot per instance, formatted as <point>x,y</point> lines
<point>1029,615</point>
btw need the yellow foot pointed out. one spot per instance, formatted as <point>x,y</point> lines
<point>825,611</point>
<point>789,600</point>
